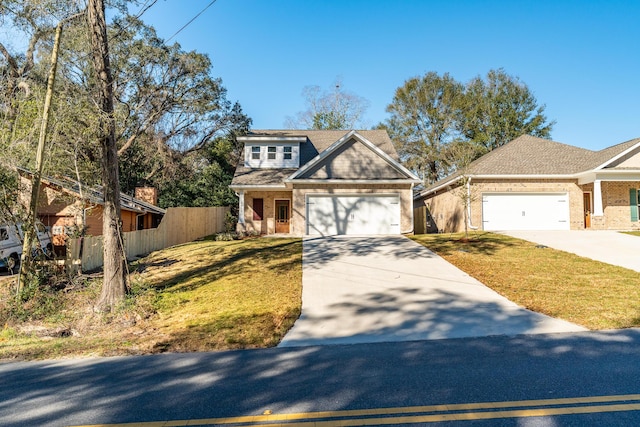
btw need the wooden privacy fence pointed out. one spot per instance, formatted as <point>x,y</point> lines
<point>420,220</point>
<point>179,225</point>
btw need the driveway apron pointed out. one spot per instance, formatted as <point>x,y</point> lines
<point>608,246</point>
<point>381,289</point>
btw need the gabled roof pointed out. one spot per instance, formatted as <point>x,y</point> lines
<point>317,145</point>
<point>94,195</point>
<point>529,156</point>
<point>398,171</point>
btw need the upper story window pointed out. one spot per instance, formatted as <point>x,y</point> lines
<point>272,155</point>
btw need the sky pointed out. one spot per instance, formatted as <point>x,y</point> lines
<point>581,59</point>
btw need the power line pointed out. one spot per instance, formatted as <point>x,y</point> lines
<point>192,19</point>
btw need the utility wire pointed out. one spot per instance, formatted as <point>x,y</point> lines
<point>192,19</point>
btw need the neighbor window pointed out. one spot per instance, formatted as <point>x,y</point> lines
<point>255,153</point>
<point>258,209</point>
<point>287,153</point>
<point>271,153</point>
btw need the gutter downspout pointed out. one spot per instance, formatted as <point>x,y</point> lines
<point>471,226</point>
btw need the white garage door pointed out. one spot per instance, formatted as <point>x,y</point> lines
<point>361,214</point>
<point>525,211</point>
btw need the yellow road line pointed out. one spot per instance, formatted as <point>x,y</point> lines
<point>391,414</point>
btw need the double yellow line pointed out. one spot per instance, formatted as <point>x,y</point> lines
<point>417,414</point>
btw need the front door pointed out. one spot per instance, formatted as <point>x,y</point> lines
<point>587,209</point>
<point>282,216</point>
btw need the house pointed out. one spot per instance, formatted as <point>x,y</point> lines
<point>537,184</point>
<point>323,182</point>
<point>67,206</point>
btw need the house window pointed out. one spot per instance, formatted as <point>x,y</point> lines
<point>287,153</point>
<point>271,153</point>
<point>255,153</point>
<point>258,209</point>
<point>634,203</point>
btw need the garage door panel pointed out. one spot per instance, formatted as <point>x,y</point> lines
<point>525,211</point>
<point>366,214</point>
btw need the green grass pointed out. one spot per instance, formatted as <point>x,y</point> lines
<point>632,233</point>
<point>199,296</point>
<point>559,284</point>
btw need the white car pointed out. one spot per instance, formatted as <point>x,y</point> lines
<point>11,238</point>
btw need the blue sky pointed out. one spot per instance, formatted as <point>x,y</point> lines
<point>580,58</point>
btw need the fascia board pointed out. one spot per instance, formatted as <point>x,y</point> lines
<point>472,176</point>
<point>266,138</point>
<point>258,187</point>
<point>614,158</point>
<point>333,147</point>
<point>354,181</point>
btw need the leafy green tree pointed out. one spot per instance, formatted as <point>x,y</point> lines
<point>205,178</point>
<point>332,109</point>
<point>424,113</point>
<point>498,109</point>
<point>431,116</point>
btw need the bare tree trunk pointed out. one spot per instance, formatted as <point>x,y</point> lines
<point>26,261</point>
<point>114,286</point>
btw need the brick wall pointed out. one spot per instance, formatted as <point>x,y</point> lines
<point>615,204</point>
<point>446,208</point>
<point>267,224</point>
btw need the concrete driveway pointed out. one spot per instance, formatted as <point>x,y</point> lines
<point>381,289</point>
<point>607,246</point>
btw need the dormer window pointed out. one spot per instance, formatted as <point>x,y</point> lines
<point>266,153</point>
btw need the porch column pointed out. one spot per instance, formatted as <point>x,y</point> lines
<point>241,207</point>
<point>597,199</point>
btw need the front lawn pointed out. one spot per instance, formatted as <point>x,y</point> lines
<point>559,284</point>
<point>199,296</point>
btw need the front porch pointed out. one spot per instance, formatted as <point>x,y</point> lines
<point>611,204</point>
<point>266,212</point>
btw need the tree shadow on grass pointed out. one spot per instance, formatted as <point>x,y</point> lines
<point>477,243</point>
<point>235,259</point>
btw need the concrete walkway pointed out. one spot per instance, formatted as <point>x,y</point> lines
<point>607,246</point>
<point>381,289</point>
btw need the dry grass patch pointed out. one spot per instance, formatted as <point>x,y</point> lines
<point>559,284</point>
<point>199,296</point>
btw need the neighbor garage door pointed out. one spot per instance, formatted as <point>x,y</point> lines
<point>525,211</point>
<point>361,214</point>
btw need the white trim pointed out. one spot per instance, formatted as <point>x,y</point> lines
<point>597,199</point>
<point>258,187</point>
<point>614,158</point>
<point>241,207</point>
<point>333,147</point>
<point>351,181</point>
<point>268,138</point>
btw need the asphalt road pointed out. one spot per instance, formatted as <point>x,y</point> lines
<point>497,381</point>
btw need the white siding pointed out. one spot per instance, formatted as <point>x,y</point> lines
<point>265,162</point>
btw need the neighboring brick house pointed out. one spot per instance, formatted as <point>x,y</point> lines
<point>537,184</point>
<point>67,206</point>
<point>323,182</point>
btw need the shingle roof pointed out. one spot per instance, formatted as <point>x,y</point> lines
<point>317,142</point>
<point>529,155</point>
